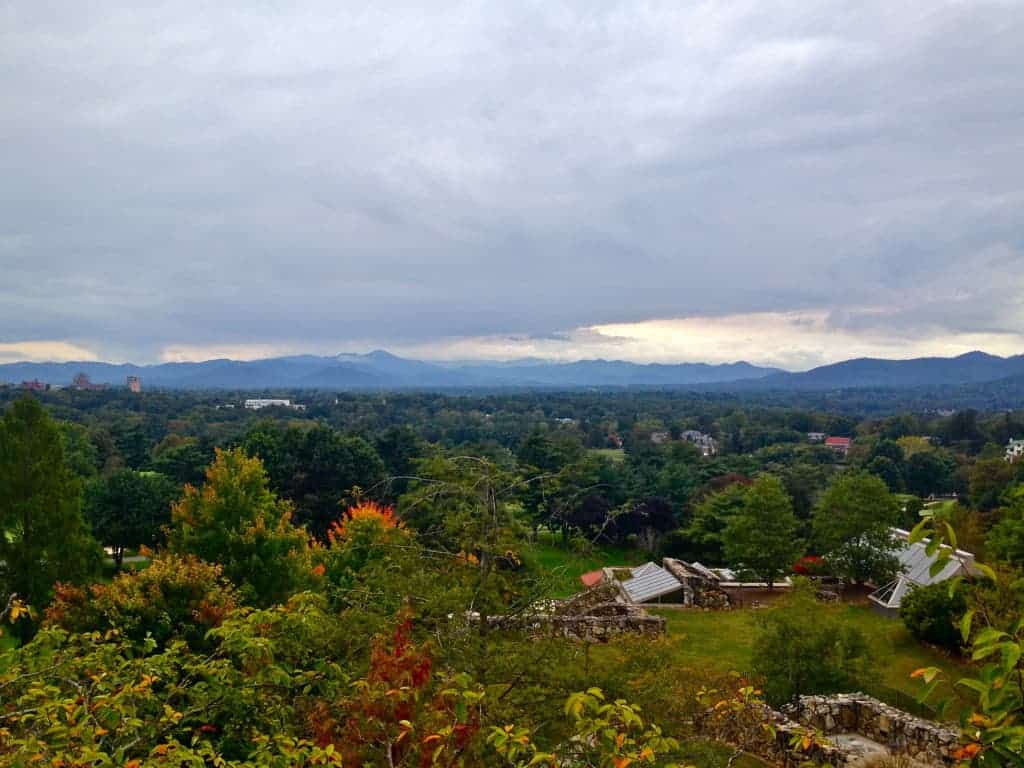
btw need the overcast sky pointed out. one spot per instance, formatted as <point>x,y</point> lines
<point>783,182</point>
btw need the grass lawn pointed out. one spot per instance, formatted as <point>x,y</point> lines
<point>722,642</point>
<point>707,754</point>
<point>562,568</point>
<point>615,454</point>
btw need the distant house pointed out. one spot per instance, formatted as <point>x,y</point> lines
<point>565,420</point>
<point>915,566</point>
<point>35,385</point>
<point>659,437</point>
<point>839,445</point>
<point>255,404</point>
<point>707,444</point>
<point>816,437</point>
<point>614,441</point>
<point>134,384</point>
<point>1014,449</point>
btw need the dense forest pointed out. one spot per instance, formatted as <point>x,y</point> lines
<point>189,582</point>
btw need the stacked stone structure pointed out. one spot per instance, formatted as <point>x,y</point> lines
<point>923,741</point>
<point>700,586</point>
<point>593,615</point>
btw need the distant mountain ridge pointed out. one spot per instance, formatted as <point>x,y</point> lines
<point>863,372</point>
<point>382,370</point>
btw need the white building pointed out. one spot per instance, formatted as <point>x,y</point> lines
<point>707,444</point>
<point>1014,449</point>
<point>255,404</point>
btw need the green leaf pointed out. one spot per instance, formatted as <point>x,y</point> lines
<point>927,691</point>
<point>1011,655</point>
<point>920,530</point>
<point>974,685</point>
<point>985,571</point>
<point>950,534</point>
<point>965,625</point>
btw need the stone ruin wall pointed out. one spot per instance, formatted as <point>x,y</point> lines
<point>591,629</point>
<point>698,590</point>
<point>926,742</point>
<point>594,615</point>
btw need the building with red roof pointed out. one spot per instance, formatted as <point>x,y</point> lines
<point>841,445</point>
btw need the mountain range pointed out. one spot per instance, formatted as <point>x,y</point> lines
<point>382,370</point>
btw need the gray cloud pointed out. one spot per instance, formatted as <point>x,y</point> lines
<point>316,173</point>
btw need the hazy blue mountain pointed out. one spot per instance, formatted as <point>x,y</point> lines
<point>612,373</point>
<point>970,368</point>
<point>382,370</point>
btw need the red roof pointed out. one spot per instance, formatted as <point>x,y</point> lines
<point>837,441</point>
<point>592,578</point>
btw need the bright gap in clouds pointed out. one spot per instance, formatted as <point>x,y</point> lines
<point>791,340</point>
<point>44,351</point>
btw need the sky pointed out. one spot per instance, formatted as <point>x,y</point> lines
<point>787,183</point>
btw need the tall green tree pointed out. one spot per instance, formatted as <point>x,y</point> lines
<point>43,536</point>
<point>762,536</point>
<point>704,536</point>
<point>235,520</point>
<point>129,508</point>
<point>852,527</point>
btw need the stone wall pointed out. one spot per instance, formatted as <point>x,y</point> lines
<point>593,628</point>
<point>855,730</point>
<point>699,590</point>
<point>926,742</point>
<point>776,745</point>
<point>593,615</point>
<point>583,603</point>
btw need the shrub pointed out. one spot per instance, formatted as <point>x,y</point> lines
<point>174,597</point>
<point>804,649</point>
<point>932,616</point>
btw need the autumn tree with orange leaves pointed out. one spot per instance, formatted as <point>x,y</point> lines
<point>235,520</point>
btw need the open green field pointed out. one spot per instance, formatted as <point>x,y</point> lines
<point>722,642</point>
<point>615,454</point>
<point>563,568</point>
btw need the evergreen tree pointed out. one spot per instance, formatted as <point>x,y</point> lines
<point>43,536</point>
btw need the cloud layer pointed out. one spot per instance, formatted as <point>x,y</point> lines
<point>183,177</point>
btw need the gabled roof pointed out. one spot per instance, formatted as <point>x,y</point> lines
<point>837,441</point>
<point>915,564</point>
<point>648,582</point>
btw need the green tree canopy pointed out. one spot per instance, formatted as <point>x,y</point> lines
<point>704,535</point>
<point>235,520</point>
<point>43,536</point>
<point>129,508</point>
<point>852,527</point>
<point>762,536</point>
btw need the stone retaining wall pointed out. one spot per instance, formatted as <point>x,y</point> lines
<point>926,742</point>
<point>592,629</point>
<point>594,615</point>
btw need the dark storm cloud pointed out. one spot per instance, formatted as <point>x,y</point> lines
<point>312,173</point>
